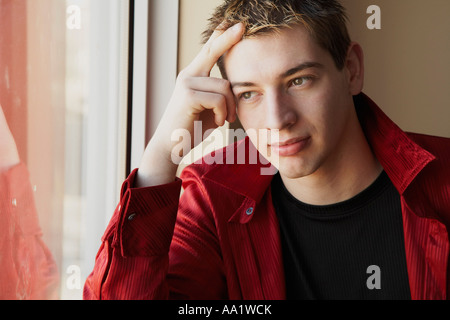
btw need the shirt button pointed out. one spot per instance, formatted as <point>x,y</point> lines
<point>131,216</point>
<point>14,202</point>
<point>249,211</point>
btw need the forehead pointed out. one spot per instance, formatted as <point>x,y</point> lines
<point>272,53</point>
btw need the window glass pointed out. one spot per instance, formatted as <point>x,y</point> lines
<point>63,97</point>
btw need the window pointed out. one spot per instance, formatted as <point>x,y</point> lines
<point>64,76</point>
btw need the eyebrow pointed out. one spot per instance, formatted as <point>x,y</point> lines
<point>290,72</point>
<point>300,67</point>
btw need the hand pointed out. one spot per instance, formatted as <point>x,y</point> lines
<point>196,96</point>
<point>9,156</point>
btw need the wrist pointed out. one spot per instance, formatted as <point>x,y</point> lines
<point>156,167</point>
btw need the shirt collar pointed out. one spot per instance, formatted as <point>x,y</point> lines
<point>245,171</point>
<point>401,157</point>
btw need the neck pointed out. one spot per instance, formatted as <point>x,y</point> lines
<point>352,169</point>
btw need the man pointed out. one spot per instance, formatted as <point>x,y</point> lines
<point>358,208</point>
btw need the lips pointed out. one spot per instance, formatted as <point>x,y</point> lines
<point>290,147</point>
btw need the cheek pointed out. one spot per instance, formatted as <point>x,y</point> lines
<point>328,112</point>
<point>252,122</point>
<point>318,109</point>
<point>249,119</point>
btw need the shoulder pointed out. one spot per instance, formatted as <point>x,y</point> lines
<point>430,141</point>
<point>213,162</point>
<point>434,180</point>
<point>240,159</point>
<point>238,169</point>
<point>438,146</point>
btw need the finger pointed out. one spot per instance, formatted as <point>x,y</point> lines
<point>216,85</point>
<point>211,101</point>
<point>220,29</point>
<point>219,43</point>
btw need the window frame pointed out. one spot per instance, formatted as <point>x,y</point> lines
<point>153,70</point>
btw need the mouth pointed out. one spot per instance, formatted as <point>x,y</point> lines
<point>290,147</point>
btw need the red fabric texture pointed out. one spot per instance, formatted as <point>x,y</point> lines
<point>27,268</point>
<point>209,245</point>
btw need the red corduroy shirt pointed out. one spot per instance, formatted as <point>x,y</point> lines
<point>221,239</point>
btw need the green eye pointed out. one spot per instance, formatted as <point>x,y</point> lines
<point>247,95</point>
<point>298,81</point>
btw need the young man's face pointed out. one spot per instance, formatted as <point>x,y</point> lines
<point>285,81</point>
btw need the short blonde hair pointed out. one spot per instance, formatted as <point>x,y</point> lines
<point>325,20</point>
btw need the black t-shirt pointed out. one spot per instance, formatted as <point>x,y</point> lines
<point>349,250</point>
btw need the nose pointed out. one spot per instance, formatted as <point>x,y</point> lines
<point>280,111</point>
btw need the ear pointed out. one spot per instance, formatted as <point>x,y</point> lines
<point>354,66</point>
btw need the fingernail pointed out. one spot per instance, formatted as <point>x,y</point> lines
<point>237,27</point>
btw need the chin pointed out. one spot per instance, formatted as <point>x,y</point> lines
<point>294,170</point>
<point>292,175</point>
<point>297,166</point>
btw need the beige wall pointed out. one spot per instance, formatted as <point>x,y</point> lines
<point>407,63</point>
<point>194,16</point>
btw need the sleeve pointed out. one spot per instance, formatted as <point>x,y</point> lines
<point>132,261</point>
<point>196,269</point>
<point>27,268</point>
<point>158,246</point>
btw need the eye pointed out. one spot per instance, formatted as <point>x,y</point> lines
<point>297,82</point>
<point>247,95</point>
